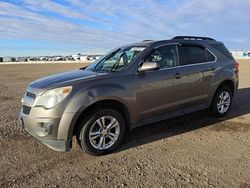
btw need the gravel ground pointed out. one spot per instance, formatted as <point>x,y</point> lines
<point>195,150</point>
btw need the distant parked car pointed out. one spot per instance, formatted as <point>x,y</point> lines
<point>42,58</point>
<point>58,58</point>
<point>69,58</point>
<point>98,57</point>
<point>50,59</point>
<point>13,59</point>
<point>129,87</point>
<point>91,58</point>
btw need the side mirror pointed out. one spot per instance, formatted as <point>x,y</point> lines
<point>148,66</point>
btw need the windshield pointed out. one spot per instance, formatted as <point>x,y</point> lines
<point>116,60</point>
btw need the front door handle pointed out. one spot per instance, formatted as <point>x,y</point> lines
<point>177,76</point>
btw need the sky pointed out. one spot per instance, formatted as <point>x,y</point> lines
<point>64,27</point>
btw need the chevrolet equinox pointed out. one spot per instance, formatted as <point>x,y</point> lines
<point>131,86</point>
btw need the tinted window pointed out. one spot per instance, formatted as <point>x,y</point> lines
<point>222,49</point>
<point>195,54</point>
<point>210,57</point>
<point>165,56</point>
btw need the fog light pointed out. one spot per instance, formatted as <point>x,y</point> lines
<point>44,130</point>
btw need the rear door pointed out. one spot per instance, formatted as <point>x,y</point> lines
<point>198,66</point>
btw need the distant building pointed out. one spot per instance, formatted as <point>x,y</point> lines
<point>238,54</point>
<point>1,59</point>
<point>8,59</point>
<point>83,58</point>
<point>77,56</point>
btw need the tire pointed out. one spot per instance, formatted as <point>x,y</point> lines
<point>222,101</point>
<point>95,137</point>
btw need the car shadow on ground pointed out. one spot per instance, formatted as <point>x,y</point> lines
<point>186,123</point>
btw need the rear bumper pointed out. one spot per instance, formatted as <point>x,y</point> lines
<point>45,130</point>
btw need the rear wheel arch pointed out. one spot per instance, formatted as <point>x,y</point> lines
<point>228,83</point>
<point>222,101</point>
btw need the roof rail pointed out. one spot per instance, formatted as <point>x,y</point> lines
<point>193,38</point>
<point>147,40</point>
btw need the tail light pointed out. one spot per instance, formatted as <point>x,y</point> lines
<point>237,67</point>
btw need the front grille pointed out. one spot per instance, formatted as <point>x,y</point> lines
<point>31,95</point>
<point>26,110</point>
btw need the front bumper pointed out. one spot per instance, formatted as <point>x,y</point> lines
<point>45,130</point>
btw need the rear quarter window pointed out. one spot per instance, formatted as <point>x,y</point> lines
<point>210,57</point>
<point>222,49</point>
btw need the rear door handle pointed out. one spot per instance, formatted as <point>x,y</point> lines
<point>211,68</point>
<point>177,76</point>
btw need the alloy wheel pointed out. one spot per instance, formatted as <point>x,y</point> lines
<point>224,102</point>
<point>104,132</point>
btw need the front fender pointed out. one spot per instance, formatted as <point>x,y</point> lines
<point>83,99</point>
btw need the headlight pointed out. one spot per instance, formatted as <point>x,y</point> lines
<point>51,98</point>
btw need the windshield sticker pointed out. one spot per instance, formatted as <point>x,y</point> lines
<point>140,49</point>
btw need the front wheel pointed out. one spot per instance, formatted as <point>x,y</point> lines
<point>222,101</point>
<point>102,132</point>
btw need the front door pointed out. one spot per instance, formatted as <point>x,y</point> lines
<point>161,91</point>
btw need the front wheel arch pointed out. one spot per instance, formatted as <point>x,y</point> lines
<point>111,104</point>
<point>86,124</point>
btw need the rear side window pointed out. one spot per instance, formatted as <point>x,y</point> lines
<point>195,55</point>
<point>222,49</point>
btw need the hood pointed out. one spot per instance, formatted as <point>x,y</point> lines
<point>62,78</point>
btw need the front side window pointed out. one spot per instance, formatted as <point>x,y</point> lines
<point>195,54</point>
<point>165,56</point>
<point>116,60</point>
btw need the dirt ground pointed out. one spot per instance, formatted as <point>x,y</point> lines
<point>195,150</point>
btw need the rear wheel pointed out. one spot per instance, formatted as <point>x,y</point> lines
<point>222,101</point>
<point>102,132</point>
